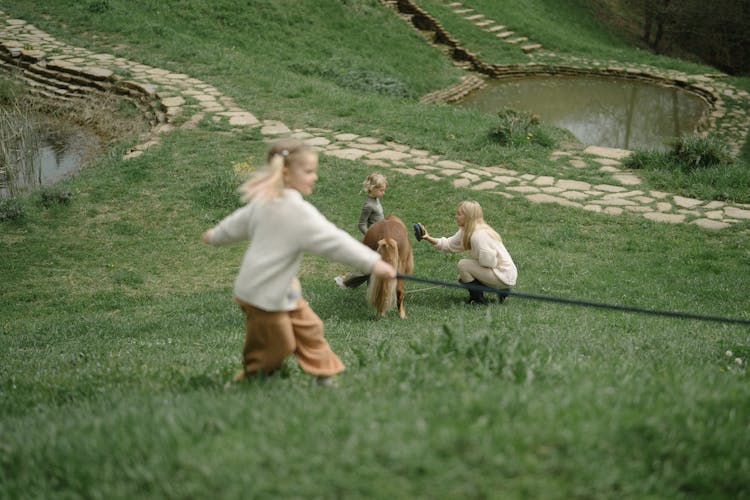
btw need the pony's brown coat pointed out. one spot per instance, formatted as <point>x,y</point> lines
<point>390,239</point>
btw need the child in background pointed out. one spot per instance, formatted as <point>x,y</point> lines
<point>372,211</point>
<point>281,226</point>
<point>491,264</point>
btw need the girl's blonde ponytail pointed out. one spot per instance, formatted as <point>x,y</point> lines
<point>267,183</point>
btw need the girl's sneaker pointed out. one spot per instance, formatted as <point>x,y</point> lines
<point>339,280</point>
<point>325,381</point>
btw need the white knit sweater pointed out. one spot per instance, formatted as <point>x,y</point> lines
<point>280,231</point>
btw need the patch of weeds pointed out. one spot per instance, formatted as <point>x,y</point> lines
<point>127,277</point>
<point>735,360</point>
<point>520,128</point>
<point>483,352</point>
<point>362,80</point>
<point>698,167</point>
<point>369,81</point>
<point>98,6</point>
<point>9,90</point>
<point>214,123</point>
<point>51,196</point>
<point>647,160</point>
<point>688,154</point>
<point>10,209</point>
<point>219,193</point>
<point>693,152</point>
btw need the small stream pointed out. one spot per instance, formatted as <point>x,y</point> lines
<point>610,112</point>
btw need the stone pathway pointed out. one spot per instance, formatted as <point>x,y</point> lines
<point>185,101</point>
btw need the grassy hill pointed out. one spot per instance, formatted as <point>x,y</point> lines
<point>117,330</point>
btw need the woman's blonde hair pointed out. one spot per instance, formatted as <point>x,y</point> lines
<point>374,181</point>
<point>267,183</point>
<point>474,220</point>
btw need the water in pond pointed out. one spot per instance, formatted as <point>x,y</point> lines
<point>52,151</point>
<point>62,153</point>
<point>606,112</point>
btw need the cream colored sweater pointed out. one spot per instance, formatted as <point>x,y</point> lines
<point>280,231</point>
<point>486,250</point>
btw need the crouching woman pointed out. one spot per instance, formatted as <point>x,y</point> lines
<point>491,264</point>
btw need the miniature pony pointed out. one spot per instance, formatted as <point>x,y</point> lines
<point>390,239</point>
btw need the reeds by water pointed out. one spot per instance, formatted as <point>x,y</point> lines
<point>20,140</point>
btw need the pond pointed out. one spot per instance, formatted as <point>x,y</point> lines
<point>610,112</point>
<point>44,152</point>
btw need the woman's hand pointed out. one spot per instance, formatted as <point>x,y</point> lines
<point>206,237</point>
<point>426,236</point>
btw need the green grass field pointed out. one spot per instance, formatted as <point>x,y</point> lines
<point>118,333</point>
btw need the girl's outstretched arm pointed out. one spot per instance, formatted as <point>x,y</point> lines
<point>383,270</point>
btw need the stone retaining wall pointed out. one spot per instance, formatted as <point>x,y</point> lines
<point>65,81</point>
<point>468,84</point>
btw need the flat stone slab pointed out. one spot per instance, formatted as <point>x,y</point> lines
<point>348,153</point>
<point>243,119</point>
<point>173,101</point>
<point>389,155</point>
<point>737,213</point>
<point>504,179</point>
<point>683,202</point>
<point>544,180</point>
<point>578,163</point>
<point>449,164</point>
<point>274,128</point>
<point>710,224</point>
<point>345,137</point>
<point>548,198</point>
<point>482,186</point>
<point>317,141</point>
<point>613,153</point>
<point>660,217</point>
<point>627,179</point>
<point>408,171</point>
<point>573,185</point>
<point>609,188</point>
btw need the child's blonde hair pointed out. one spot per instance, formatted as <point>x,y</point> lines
<point>374,181</point>
<point>267,183</point>
<point>473,220</point>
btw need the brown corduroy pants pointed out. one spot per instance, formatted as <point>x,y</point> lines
<point>271,336</point>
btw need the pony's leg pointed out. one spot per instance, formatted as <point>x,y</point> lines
<point>400,299</point>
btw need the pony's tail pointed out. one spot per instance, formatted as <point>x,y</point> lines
<point>381,294</point>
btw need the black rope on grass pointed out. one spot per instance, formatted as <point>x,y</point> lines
<point>586,303</point>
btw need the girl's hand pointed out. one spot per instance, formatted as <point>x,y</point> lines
<point>383,270</point>
<point>206,237</point>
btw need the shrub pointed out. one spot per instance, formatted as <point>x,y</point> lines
<point>9,90</point>
<point>694,152</point>
<point>688,154</point>
<point>648,160</point>
<point>518,128</point>
<point>49,196</point>
<point>10,209</point>
<point>369,81</point>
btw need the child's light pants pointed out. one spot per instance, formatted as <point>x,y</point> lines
<point>271,336</point>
